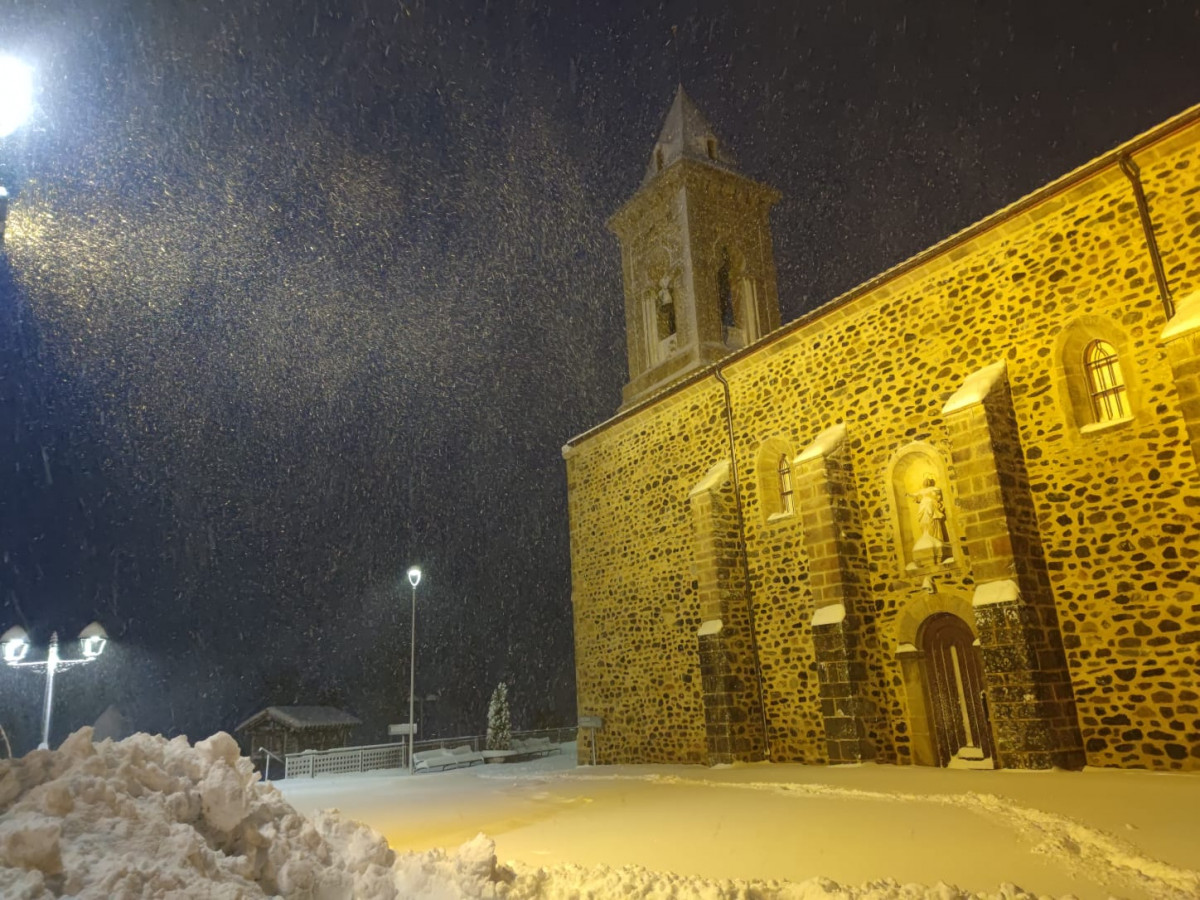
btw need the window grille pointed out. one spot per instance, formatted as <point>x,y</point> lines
<point>1106,384</point>
<point>785,486</point>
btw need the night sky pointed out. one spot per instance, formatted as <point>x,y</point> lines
<point>298,294</point>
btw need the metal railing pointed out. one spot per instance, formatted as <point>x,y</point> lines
<point>478,742</point>
<point>267,756</point>
<point>311,763</point>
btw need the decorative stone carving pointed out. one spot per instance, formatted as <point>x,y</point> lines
<point>931,518</point>
<point>924,530</point>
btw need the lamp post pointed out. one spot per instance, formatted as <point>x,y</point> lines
<point>414,578</point>
<point>16,104</point>
<point>14,644</point>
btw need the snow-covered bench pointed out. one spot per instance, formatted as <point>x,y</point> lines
<point>446,758</point>
<point>530,748</point>
<point>536,746</point>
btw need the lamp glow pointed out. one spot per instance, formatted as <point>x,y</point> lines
<point>92,640</point>
<point>15,643</point>
<point>16,94</point>
<point>414,576</point>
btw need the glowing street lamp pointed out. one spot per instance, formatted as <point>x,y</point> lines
<point>414,578</point>
<point>16,105</point>
<point>16,94</point>
<point>14,646</point>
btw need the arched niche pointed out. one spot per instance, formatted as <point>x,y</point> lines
<point>776,487</point>
<point>923,521</point>
<point>737,296</point>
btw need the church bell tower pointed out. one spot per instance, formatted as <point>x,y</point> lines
<point>698,270</point>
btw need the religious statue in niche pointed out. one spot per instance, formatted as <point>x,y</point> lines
<point>660,322</point>
<point>666,308</point>
<point>932,538</point>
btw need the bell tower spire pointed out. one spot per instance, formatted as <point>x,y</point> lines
<point>699,272</point>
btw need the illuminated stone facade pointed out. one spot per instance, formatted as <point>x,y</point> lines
<point>934,521</point>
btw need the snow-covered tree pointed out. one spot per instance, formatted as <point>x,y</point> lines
<point>499,727</point>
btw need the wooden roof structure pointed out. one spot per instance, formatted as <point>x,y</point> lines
<point>301,718</point>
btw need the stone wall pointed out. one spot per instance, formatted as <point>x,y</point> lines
<point>1069,546</point>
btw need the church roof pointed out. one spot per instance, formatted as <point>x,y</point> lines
<point>302,717</point>
<point>687,134</point>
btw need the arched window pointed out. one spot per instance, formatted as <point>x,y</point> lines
<point>786,503</point>
<point>1096,379</point>
<point>1106,384</point>
<point>774,479</point>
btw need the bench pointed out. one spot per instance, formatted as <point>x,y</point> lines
<point>446,758</point>
<point>521,750</point>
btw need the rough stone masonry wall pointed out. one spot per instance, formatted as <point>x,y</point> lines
<point>1033,718</point>
<point>635,591</point>
<point>1116,508</point>
<point>725,642</point>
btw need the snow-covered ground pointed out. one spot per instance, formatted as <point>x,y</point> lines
<point>1098,833</point>
<point>151,818</point>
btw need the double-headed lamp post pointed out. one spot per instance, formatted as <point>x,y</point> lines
<point>14,644</point>
<point>414,578</point>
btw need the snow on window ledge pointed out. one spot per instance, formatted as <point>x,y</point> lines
<point>1096,427</point>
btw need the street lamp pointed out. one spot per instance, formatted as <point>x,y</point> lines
<point>414,578</point>
<point>14,645</point>
<point>16,104</point>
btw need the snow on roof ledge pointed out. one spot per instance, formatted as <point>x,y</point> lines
<point>975,387</point>
<point>715,477</point>
<point>712,626</point>
<point>827,441</point>
<point>300,717</point>
<point>1005,591</point>
<point>1186,319</point>
<point>829,615</point>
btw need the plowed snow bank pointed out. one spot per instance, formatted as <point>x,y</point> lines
<point>150,818</point>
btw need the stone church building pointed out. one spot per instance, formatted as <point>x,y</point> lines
<point>951,517</point>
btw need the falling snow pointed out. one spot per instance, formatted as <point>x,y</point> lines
<point>299,293</point>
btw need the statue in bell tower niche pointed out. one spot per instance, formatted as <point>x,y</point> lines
<point>666,308</point>
<point>931,518</point>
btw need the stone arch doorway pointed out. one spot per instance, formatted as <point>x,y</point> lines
<point>958,715</point>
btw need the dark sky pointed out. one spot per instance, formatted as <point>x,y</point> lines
<point>300,293</point>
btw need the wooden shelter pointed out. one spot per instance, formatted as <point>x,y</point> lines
<point>292,729</point>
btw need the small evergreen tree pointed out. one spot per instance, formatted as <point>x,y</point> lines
<point>499,727</point>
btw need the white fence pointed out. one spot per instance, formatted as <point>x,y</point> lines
<point>312,763</point>
<point>478,742</point>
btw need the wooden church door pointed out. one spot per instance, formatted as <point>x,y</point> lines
<point>954,678</point>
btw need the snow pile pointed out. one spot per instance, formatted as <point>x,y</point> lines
<point>147,817</point>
